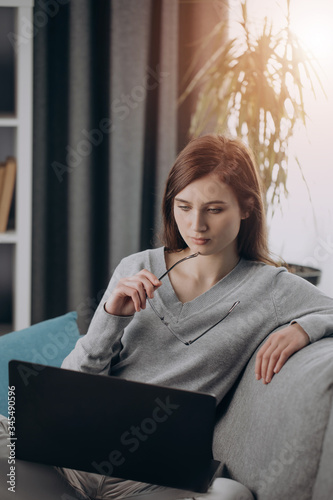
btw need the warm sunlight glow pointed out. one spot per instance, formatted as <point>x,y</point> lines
<point>299,232</point>
<point>312,23</point>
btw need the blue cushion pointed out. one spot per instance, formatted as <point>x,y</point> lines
<point>47,343</point>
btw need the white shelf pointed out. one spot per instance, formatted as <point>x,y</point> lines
<point>8,122</point>
<point>21,149</point>
<point>16,3</point>
<point>8,237</point>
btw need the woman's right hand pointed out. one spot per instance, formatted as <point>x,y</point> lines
<point>131,293</point>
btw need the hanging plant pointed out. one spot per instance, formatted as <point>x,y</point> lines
<point>253,86</point>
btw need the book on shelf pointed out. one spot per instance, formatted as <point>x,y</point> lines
<point>2,175</point>
<point>7,184</point>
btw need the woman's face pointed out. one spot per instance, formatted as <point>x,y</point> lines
<point>208,216</point>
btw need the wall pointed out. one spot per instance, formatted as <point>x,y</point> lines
<point>303,233</point>
<point>301,230</point>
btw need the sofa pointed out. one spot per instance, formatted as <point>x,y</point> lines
<point>276,439</point>
<point>46,343</point>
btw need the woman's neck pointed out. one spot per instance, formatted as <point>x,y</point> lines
<point>207,269</point>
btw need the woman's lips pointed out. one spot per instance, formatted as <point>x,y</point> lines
<point>200,241</point>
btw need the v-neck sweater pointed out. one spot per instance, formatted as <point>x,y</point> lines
<point>237,314</point>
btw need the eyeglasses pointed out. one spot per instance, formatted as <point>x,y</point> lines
<point>189,342</point>
<point>181,260</point>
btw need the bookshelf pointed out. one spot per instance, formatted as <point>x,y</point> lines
<point>16,59</point>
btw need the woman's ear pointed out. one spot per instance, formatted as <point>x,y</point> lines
<point>248,209</point>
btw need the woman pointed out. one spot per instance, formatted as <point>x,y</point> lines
<point>198,326</point>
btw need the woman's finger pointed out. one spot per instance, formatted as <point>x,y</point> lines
<point>277,350</point>
<point>137,289</point>
<point>267,358</point>
<point>124,293</point>
<point>134,288</point>
<point>277,356</point>
<point>259,358</point>
<point>284,356</point>
<point>143,284</point>
<point>151,277</point>
<point>268,355</point>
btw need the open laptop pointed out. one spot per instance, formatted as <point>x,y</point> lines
<point>112,426</point>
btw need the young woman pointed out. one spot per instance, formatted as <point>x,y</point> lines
<point>197,327</point>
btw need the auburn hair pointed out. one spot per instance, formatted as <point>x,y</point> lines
<point>234,164</point>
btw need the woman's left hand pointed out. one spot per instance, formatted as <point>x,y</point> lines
<point>277,349</point>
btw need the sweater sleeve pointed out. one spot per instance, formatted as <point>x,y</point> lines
<point>298,301</point>
<point>94,352</point>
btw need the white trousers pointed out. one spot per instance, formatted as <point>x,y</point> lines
<point>31,481</point>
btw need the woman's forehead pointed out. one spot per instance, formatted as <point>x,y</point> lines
<point>207,189</point>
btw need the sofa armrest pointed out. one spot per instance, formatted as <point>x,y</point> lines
<point>277,439</point>
<point>46,343</point>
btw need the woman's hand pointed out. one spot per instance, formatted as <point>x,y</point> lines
<point>277,349</point>
<point>131,293</point>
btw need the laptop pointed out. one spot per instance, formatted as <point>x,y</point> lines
<point>112,426</point>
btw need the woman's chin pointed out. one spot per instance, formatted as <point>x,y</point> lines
<point>199,250</point>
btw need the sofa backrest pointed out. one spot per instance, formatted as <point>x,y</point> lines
<point>277,439</point>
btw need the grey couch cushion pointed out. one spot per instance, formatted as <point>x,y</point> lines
<point>277,439</point>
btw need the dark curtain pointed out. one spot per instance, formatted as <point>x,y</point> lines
<point>107,75</point>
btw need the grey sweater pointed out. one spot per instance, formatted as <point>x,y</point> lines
<point>155,346</point>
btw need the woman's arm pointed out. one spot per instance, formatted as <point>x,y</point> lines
<point>309,313</point>
<point>277,349</point>
<point>124,296</point>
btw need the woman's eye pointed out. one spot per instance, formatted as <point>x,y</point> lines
<point>215,210</point>
<point>184,207</point>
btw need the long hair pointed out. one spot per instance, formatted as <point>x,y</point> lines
<point>234,164</point>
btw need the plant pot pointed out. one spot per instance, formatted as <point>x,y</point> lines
<point>310,274</point>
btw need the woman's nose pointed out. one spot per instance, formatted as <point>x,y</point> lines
<point>198,222</point>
